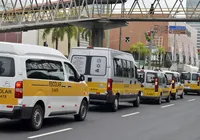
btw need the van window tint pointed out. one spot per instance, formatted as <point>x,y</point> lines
<point>169,77</point>
<point>141,77</point>
<point>44,69</point>
<point>37,69</point>
<point>129,71</point>
<point>98,66</point>
<point>80,63</point>
<point>150,78</point>
<point>56,71</point>
<point>7,67</point>
<point>132,69</point>
<point>195,77</point>
<point>125,71</point>
<point>185,76</point>
<point>70,73</point>
<point>118,69</point>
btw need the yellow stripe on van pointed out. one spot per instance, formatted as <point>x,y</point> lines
<point>101,87</point>
<point>53,88</point>
<point>7,96</point>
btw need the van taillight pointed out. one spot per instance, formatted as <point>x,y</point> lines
<point>156,84</point>
<point>19,89</point>
<point>173,82</point>
<point>109,85</point>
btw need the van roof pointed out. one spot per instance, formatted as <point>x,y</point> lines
<point>100,48</point>
<point>165,71</point>
<point>27,49</point>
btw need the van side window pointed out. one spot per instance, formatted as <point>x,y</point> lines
<point>37,69</point>
<point>125,70</point>
<point>129,71</point>
<point>70,73</point>
<point>7,67</point>
<point>44,69</point>
<point>132,69</point>
<point>56,71</point>
<point>136,71</point>
<point>118,69</point>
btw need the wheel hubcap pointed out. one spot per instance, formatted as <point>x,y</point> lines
<point>116,103</point>
<point>83,110</point>
<point>37,118</point>
<point>138,100</point>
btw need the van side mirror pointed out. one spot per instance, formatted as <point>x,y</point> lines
<point>82,78</point>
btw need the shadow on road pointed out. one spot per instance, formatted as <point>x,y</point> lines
<point>18,126</point>
<point>106,108</point>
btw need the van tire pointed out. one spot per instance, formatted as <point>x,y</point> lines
<point>174,96</point>
<point>182,95</point>
<point>136,103</point>
<point>37,113</point>
<point>168,99</point>
<point>115,104</point>
<point>82,111</point>
<point>159,101</point>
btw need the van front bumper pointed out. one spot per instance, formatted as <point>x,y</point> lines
<point>17,113</point>
<point>101,98</point>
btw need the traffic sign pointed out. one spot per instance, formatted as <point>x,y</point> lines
<point>177,30</point>
<point>127,39</point>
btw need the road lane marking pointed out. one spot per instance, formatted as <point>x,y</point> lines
<point>191,100</point>
<point>50,133</point>
<point>167,106</point>
<point>131,114</point>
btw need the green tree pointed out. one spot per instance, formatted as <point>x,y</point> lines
<point>160,52</point>
<point>87,35</point>
<point>140,49</point>
<point>59,34</point>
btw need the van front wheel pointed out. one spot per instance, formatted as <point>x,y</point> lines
<point>82,111</point>
<point>136,103</point>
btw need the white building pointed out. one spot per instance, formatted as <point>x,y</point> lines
<point>185,46</point>
<point>35,37</point>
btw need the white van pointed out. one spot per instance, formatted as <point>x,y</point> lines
<point>38,82</point>
<point>191,81</point>
<point>155,85</point>
<point>110,75</point>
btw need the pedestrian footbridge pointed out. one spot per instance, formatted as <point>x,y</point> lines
<point>23,15</point>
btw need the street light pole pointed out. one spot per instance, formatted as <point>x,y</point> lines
<point>150,49</point>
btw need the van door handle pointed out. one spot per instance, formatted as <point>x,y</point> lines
<point>69,86</point>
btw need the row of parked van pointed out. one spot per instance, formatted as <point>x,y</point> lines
<point>112,77</point>
<point>38,82</point>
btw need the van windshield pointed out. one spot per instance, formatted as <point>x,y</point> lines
<point>150,78</point>
<point>7,67</point>
<point>169,77</point>
<point>141,77</point>
<point>185,76</point>
<point>90,65</point>
<point>195,77</point>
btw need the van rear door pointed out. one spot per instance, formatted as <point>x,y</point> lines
<point>7,81</point>
<point>93,64</point>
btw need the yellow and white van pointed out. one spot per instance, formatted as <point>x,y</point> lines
<point>38,82</point>
<point>110,75</point>
<point>176,88</point>
<point>191,81</point>
<point>154,85</point>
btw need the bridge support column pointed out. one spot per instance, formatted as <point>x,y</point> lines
<point>98,28</point>
<point>97,37</point>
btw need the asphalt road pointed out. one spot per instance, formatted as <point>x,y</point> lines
<point>177,120</point>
